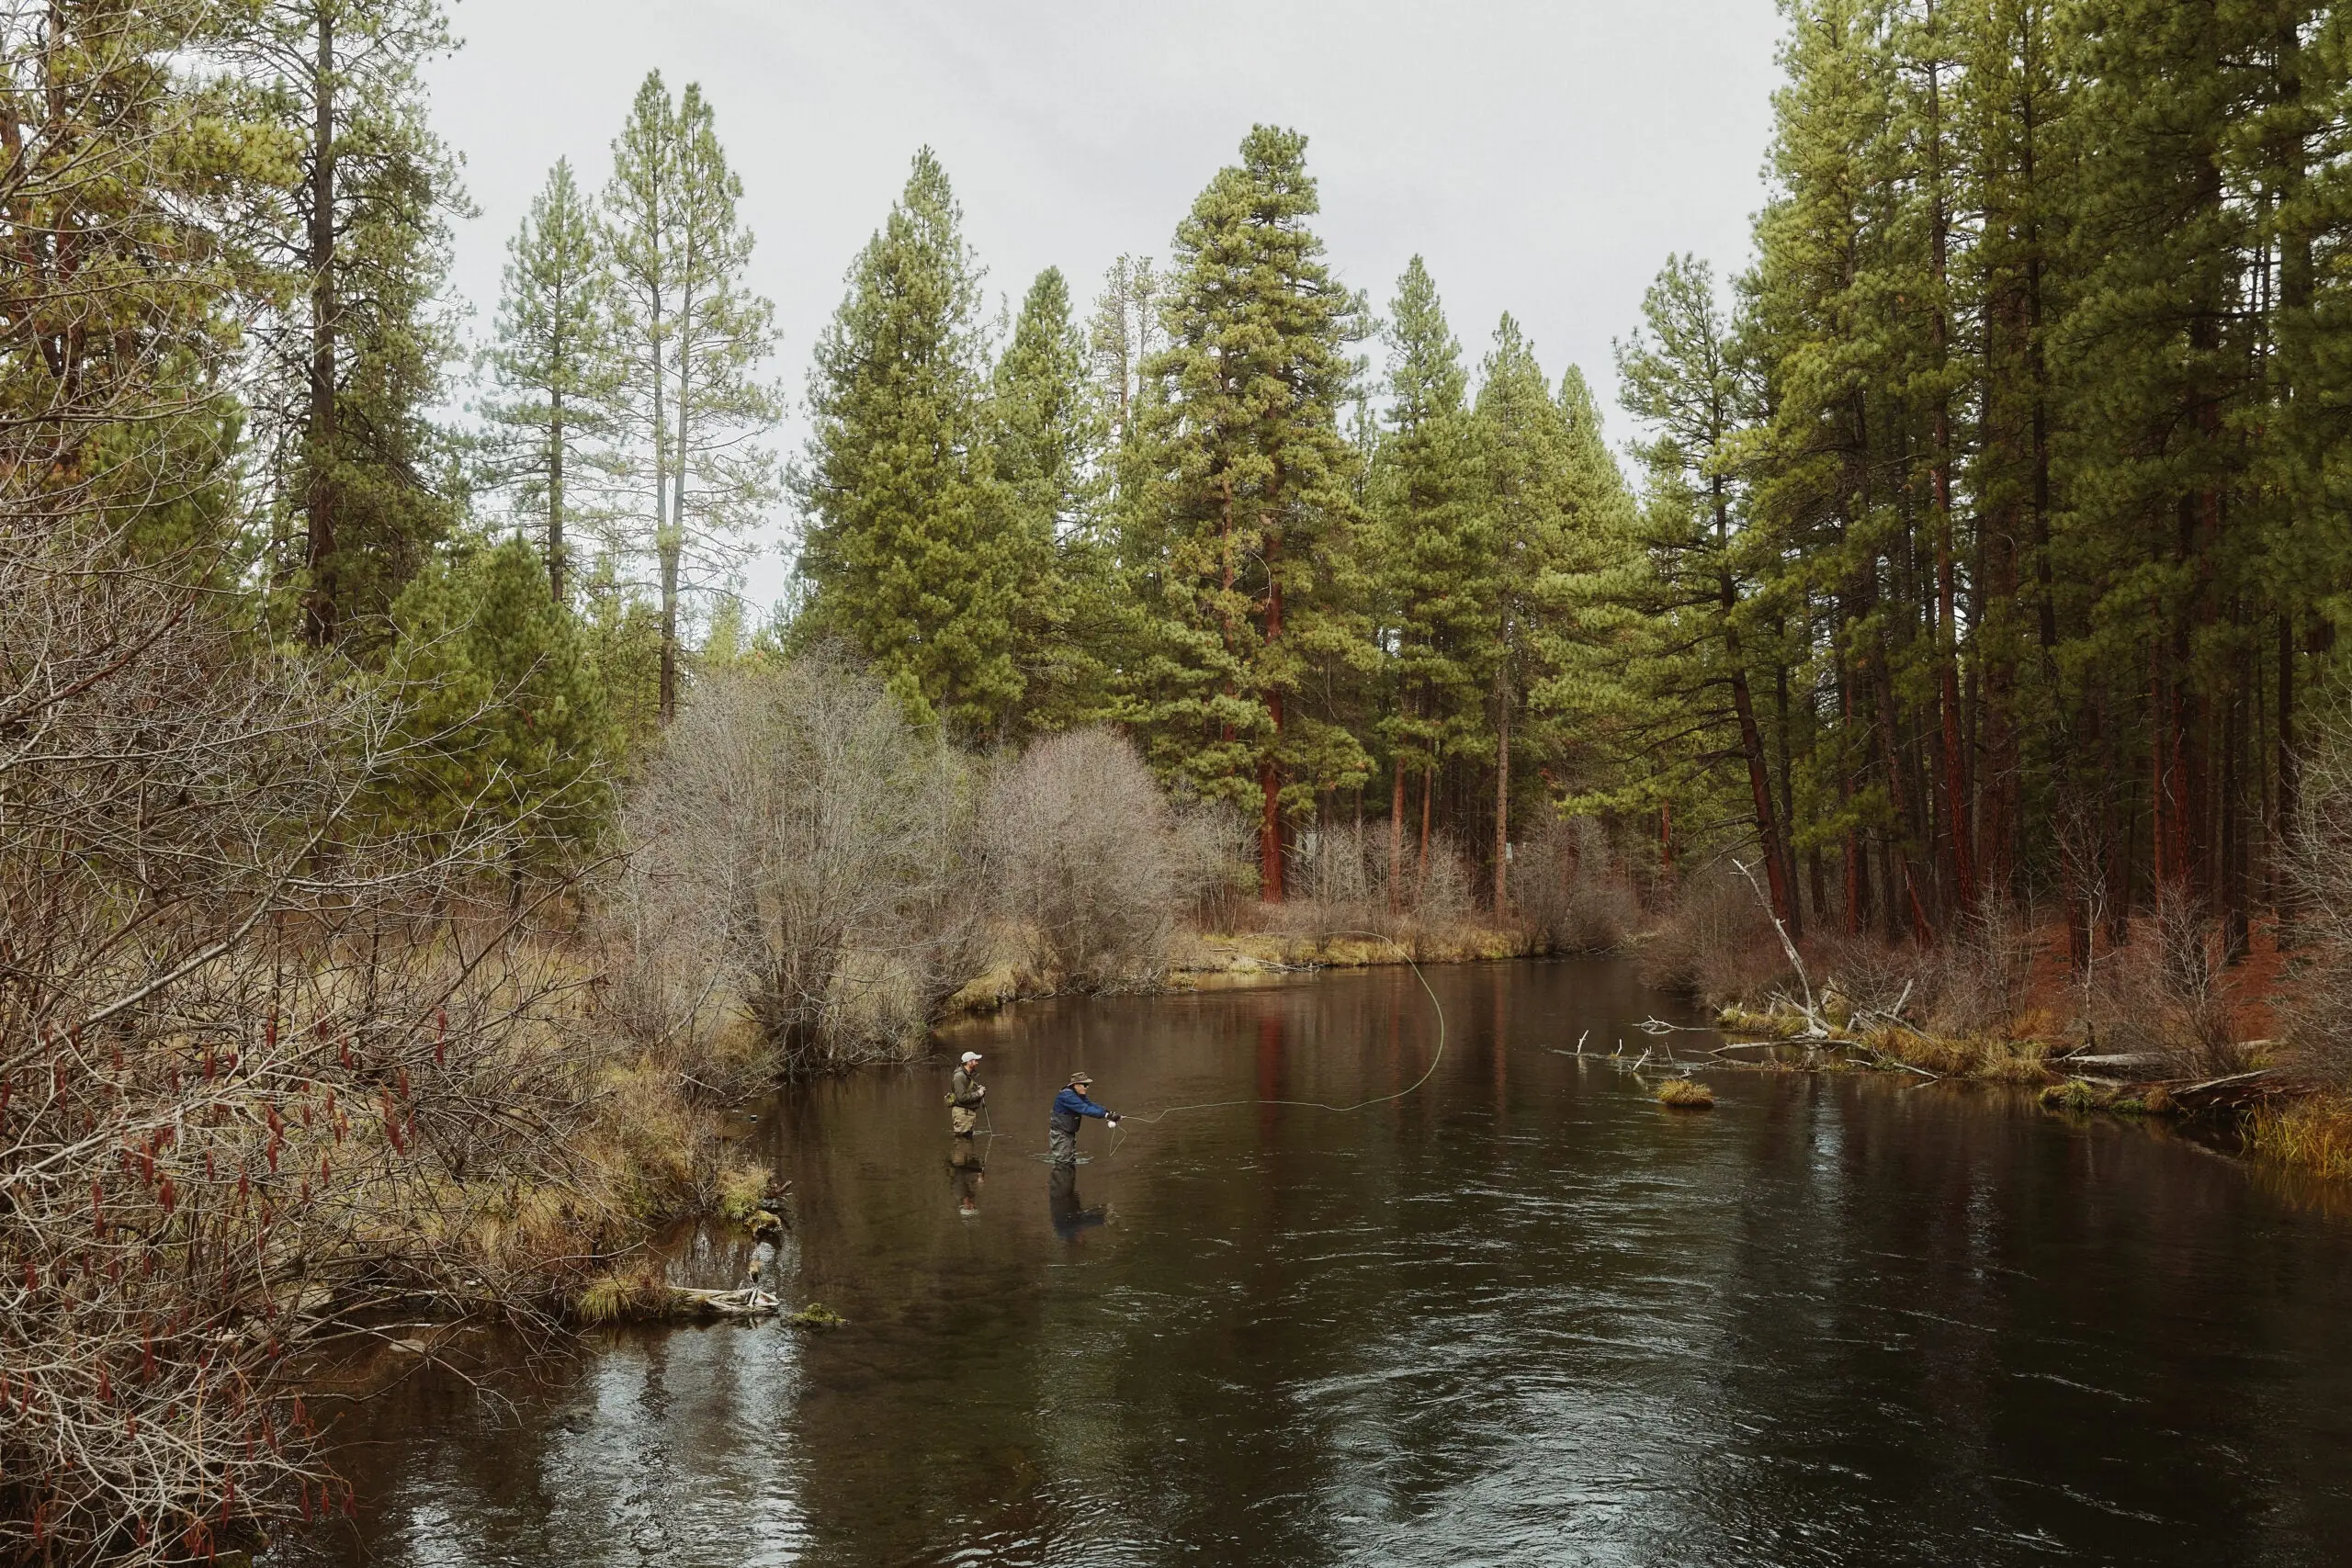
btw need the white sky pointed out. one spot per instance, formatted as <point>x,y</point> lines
<point>1544,155</point>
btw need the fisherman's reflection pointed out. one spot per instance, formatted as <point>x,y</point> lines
<point>1070,1214</point>
<point>966,1169</point>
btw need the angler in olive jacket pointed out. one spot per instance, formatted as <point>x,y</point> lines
<point>1061,1130</point>
<point>964,1093</point>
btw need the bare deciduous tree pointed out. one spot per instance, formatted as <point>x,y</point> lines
<point>1086,852</point>
<point>801,852</point>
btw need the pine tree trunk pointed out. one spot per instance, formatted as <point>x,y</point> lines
<point>1760,783</point>
<point>1421,871</point>
<point>2283,898</point>
<point>1502,791</point>
<point>321,613</point>
<point>661,541</point>
<point>1903,900</point>
<point>677,535</point>
<point>2235,924</point>
<point>1751,737</point>
<point>1397,839</point>
<point>1270,779</point>
<point>555,494</point>
<point>1857,867</point>
<point>1954,781</point>
<point>1788,804</point>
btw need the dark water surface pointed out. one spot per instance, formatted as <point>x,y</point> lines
<point>1522,1315</point>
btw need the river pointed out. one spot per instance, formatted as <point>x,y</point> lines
<point>1521,1314</point>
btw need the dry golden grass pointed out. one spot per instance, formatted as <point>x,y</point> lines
<point>2314,1136</point>
<point>1686,1094</point>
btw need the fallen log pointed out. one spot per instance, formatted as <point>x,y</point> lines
<point>722,1303</point>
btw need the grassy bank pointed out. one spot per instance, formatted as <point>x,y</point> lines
<point>2156,1026</point>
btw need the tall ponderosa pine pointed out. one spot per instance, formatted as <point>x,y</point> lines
<point>1048,431</point>
<point>551,366</point>
<point>1429,539</point>
<point>127,182</point>
<point>1122,337</point>
<point>910,545</point>
<point>1680,377</point>
<point>1552,506</point>
<point>360,462</point>
<point>1239,544</point>
<point>690,469</point>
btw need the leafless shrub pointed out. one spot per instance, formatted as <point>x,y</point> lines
<point>1977,978</point>
<point>1338,882</point>
<point>1715,942</point>
<point>1085,852</point>
<point>1569,888</point>
<point>801,858</point>
<point>1442,892</point>
<point>1343,865</point>
<point>2169,992</point>
<point>2319,871</point>
<point>267,1083</point>
<point>1221,855</point>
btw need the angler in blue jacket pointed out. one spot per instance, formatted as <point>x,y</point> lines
<point>1062,1132</point>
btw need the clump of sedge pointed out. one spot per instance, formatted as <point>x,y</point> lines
<point>1686,1094</point>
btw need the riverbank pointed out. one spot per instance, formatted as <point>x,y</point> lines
<point>2143,1034</point>
<point>1196,960</point>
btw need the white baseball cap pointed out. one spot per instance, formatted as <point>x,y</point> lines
<point>971,1055</point>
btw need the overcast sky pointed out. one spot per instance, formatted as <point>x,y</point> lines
<point>1544,156</point>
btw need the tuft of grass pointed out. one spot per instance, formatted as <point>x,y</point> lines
<point>2314,1135</point>
<point>1686,1094</point>
<point>2073,1094</point>
<point>743,1192</point>
<point>616,1298</point>
<point>606,1299</point>
<point>816,1315</point>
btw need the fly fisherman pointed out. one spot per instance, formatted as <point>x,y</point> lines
<point>1062,1132</point>
<point>964,1093</point>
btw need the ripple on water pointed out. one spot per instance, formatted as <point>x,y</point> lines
<point>1524,1317</point>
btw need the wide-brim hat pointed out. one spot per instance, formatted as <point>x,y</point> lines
<point>1080,1077</point>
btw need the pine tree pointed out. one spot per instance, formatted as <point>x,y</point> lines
<point>689,411</point>
<point>1429,540</point>
<point>503,728</point>
<point>1048,437</point>
<point>1554,508</point>
<point>1122,338</point>
<point>551,366</point>
<point>1238,545</point>
<point>1680,376</point>
<point>909,542</point>
<point>355,452</point>
<point>128,180</point>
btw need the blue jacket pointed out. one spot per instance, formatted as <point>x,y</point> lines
<point>1069,1106</point>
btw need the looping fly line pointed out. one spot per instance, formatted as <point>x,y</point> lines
<point>1439,1055</point>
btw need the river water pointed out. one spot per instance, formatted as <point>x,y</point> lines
<point>1520,1315</point>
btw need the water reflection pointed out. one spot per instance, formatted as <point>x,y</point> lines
<point>1071,1215</point>
<point>1522,1316</point>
